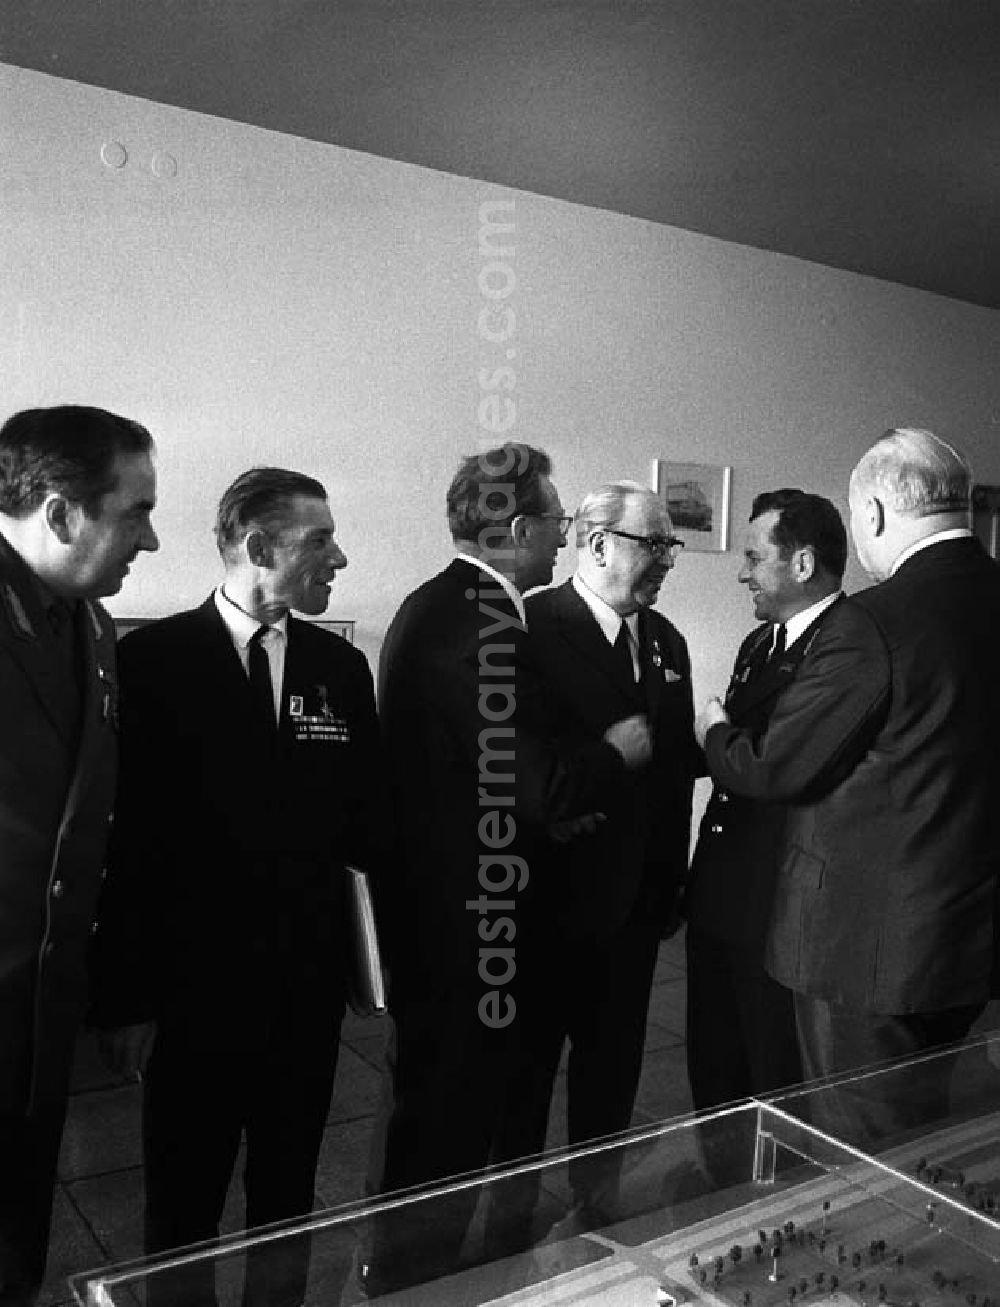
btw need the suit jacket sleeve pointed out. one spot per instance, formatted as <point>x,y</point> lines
<point>553,781</point>
<point>823,724</point>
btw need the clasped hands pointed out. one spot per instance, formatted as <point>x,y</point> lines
<point>633,739</point>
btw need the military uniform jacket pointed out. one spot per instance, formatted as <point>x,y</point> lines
<point>224,828</point>
<point>57,775</point>
<point>639,854</point>
<point>731,883</point>
<point>885,749</point>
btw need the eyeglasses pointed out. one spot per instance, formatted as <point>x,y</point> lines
<point>658,547</point>
<point>564,522</point>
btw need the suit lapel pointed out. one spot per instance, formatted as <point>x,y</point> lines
<point>652,660</point>
<point>298,678</point>
<point>756,679</point>
<point>34,653</point>
<point>99,710</point>
<point>232,698</point>
<point>579,627</point>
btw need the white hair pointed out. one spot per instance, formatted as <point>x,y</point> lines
<point>606,506</point>
<point>915,473</point>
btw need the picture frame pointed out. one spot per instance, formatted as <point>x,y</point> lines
<point>696,496</point>
<point>984,517</point>
<point>343,626</point>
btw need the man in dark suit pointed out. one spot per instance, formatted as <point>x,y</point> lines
<point>604,892</point>
<point>741,1036</point>
<point>249,778</point>
<point>884,748</point>
<point>468,787</point>
<point>76,489</point>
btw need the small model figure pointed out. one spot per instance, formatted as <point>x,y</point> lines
<point>775,1275</point>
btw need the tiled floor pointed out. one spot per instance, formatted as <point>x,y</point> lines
<point>97,1217</point>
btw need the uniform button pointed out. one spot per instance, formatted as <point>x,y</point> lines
<point>58,889</point>
<point>716,829</point>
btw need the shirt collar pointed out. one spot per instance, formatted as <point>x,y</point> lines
<point>240,625</point>
<point>953,533</point>
<point>511,590</point>
<point>795,626</point>
<point>607,619</point>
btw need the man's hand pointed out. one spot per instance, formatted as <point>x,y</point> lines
<point>561,832</point>
<point>711,715</point>
<point>633,740</point>
<point>126,1049</point>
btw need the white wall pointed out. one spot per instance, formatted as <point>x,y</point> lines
<point>280,300</point>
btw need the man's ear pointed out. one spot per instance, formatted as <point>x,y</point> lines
<point>803,565</point>
<point>597,543</point>
<point>257,545</point>
<point>875,512</point>
<point>61,517</point>
<point>520,529</point>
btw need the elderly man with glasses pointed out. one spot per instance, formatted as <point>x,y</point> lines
<point>606,888</point>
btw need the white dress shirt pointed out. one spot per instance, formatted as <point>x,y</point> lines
<point>953,533</point>
<point>795,626</point>
<point>609,621</point>
<point>509,588</point>
<point>242,628</point>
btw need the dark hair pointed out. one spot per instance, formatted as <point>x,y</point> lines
<point>260,497</point>
<point>69,450</point>
<point>490,489</point>
<point>805,520</point>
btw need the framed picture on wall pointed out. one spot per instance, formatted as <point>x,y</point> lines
<point>986,517</point>
<point>343,627</point>
<point>697,499</point>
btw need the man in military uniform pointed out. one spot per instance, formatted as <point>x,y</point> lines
<point>76,489</point>
<point>740,1025</point>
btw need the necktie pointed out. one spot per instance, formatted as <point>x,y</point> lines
<point>260,675</point>
<point>623,650</point>
<point>778,648</point>
<point>57,615</point>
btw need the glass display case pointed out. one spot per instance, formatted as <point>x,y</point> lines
<point>758,1205</point>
